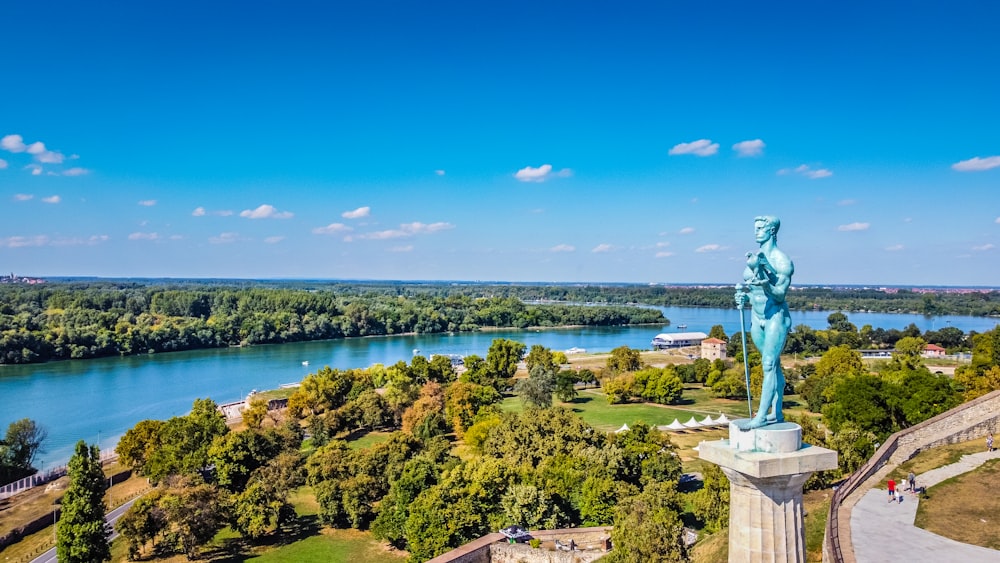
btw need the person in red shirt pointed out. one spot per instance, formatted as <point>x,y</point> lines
<point>892,490</point>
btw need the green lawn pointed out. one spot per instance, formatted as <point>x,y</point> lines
<point>336,546</point>
<point>364,440</point>
<point>595,410</point>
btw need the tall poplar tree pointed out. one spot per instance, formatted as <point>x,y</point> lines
<point>82,534</point>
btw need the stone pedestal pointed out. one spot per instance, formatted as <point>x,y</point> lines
<point>766,468</point>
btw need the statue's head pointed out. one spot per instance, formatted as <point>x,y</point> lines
<point>766,226</point>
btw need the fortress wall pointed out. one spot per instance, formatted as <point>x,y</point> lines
<point>967,421</point>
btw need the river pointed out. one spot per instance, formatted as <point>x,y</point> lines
<point>98,400</point>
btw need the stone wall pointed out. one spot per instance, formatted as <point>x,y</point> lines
<point>494,548</point>
<point>968,421</point>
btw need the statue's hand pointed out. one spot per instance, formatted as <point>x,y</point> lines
<point>741,299</point>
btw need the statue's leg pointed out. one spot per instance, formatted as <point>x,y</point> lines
<point>758,332</point>
<point>776,334</point>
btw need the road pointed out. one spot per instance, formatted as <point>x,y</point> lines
<point>111,517</point>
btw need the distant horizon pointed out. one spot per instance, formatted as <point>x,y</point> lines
<point>494,282</point>
<point>519,140</point>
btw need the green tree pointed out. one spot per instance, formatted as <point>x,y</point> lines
<point>501,361</point>
<point>539,355</point>
<point>18,448</point>
<point>866,400</point>
<point>718,331</point>
<point>566,381</point>
<point>194,511</point>
<point>711,502</point>
<point>142,523</point>
<point>463,401</point>
<point>260,509</point>
<point>82,534</point>
<point>390,524</point>
<point>536,390</point>
<point>908,352</point>
<point>624,359</point>
<point>238,454</point>
<point>648,527</point>
<point>255,413</point>
<point>854,446</point>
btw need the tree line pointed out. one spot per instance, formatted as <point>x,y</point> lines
<point>73,321</point>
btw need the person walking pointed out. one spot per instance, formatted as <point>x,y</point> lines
<point>989,443</point>
<point>913,482</point>
<point>892,490</point>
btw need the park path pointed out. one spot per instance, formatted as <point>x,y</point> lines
<point>884,531</point>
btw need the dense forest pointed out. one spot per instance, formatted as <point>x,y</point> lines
<point>58,321</point>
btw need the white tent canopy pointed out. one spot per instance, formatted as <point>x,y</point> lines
<point>624,428</point>
<point>722,419</point>
<point>708,421</point>
<point>692,423</point>
<point>675,425</point>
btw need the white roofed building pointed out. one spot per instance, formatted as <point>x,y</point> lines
<point>677,340</point>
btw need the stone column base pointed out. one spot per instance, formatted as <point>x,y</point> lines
<point>766,522</point>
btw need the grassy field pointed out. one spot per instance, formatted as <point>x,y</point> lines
<point>934,458</point>
<point>963,508</point>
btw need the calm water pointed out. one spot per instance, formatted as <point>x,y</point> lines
<point>98,400</point>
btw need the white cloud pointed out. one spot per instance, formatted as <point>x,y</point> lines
<point>75,171</point>
<point>710,248</point>
<point>662,244</point>
<point>331,229</point>
<point>26,197</point>
<point>266,211</point>
<point>143,236</point>
<point>977,164</point>
<point>439,172</point>
<point>43,240</point>
<point>854,227</point>
<point>845,202</point>
<point>603,247</point>
<point>664,254</point>
<point>983,248</point>
<point>749,148</point>
<point>686,231</point>
<point>701,147</point>
<point>404,248</point>
<point>541,174</point>
<point>3,164</point>
<point>51,199</point>
<point>805,170</point>
<point>13,143</point>
<point>562,248</point>
<point>223,212</point>
<point>37,147</point>
<point>36,170</point>
<point>895,248</point>
<point>418,228</point>
<point>997,221</point>
<point>274,239</point>
<point>357,213</point>
<point>147,202</point>
<point>406,230</point>
<point>198,212</point>
<point>224,238</point>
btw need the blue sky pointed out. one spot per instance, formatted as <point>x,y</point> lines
<point>520,141</point>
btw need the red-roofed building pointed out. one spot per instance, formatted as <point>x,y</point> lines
<point>713,349</point>
<point>933,351</point>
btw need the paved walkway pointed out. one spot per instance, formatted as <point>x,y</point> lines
<point>883,531</point>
